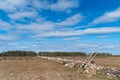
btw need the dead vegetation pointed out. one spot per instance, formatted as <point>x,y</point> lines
<point>88,66</point>
<point>38,69</point>
<point>35,68</point>
<point>101,61</point>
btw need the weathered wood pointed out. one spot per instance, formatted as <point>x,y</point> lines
<point>87,62</point>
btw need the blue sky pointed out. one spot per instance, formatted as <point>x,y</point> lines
<point>60,25</point>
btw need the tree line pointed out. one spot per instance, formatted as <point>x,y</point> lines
<point>32,53</point>
<point>104,54</point>
<point>61,53</point>
<point>18,53</point>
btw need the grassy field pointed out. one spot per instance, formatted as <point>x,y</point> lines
<point>102,61</point>
<point>41,69</point>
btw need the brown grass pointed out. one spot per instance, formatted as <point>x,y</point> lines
<point>40,69</point>
<point>36,70</point>
<point>102,61</point>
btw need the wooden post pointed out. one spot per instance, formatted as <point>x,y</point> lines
<point>86,63</point>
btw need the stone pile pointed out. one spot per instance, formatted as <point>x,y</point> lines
<point>110,72</point>
<point>57,59</point>
<point>65,62</point>
<point>90,70</point>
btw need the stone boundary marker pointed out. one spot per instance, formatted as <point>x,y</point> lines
<point>91,68</point>
<point>111,72</point>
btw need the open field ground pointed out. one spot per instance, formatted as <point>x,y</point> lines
<point>102,61</point>
<point>41,69</point>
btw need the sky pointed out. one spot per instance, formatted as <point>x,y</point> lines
<point>60,25</point>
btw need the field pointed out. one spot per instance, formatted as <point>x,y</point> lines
<point>102,61</point>
<point>42,69</point>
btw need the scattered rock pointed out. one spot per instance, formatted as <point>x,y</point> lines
<point>91,68</point>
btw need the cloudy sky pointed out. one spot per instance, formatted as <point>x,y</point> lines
<point>60,25</point>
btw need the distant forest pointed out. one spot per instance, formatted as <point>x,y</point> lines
<point>32,53</point>
<point>62,54</point>
<point>18,53</point>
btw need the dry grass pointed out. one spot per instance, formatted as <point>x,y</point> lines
<point>40,69</point>
<point>102,61</point>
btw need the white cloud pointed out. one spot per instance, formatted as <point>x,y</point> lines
<point>9,32</point>
<point>72,38</point>
<point>8,37</point>
<point>15,2</point>
<point>13,44</point>
<point>12,5</point>
<point>59,5</point>
<point>92,45</point>
<point>103,30</point>
<point>4,4</point>
<point>38,27</point>
<point>87,45</point>
<point>108,17</point>
<point>102,36</point>
<point>108,47</point>
<point>41,25</point>
<point>4,25</point>
<point>73,20</point>
<point>25,14</point>
<point>63,5</point>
